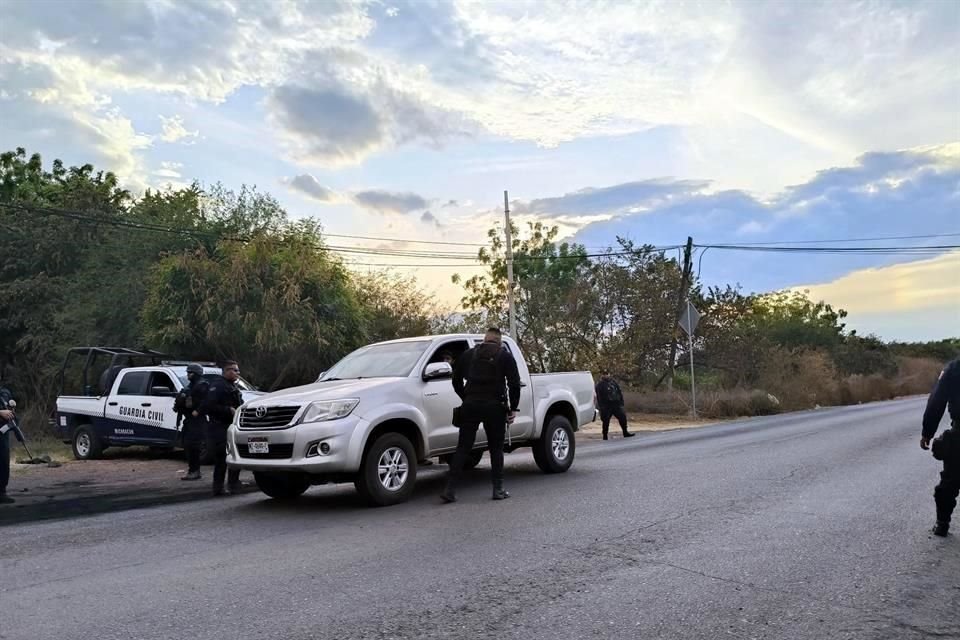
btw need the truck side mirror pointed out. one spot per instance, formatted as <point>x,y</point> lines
<point>437,371</point>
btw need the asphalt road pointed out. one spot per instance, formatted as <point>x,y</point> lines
<point>810,525</point>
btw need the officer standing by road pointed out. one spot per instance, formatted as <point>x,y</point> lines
<point>188,406</point>
<point>6,417</point>
<point>486,400</point>
<point>946,393</point>
<point>610,403</point>
<point>219,407</point>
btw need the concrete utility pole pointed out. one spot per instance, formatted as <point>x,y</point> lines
<point>509,232</point>
<point>681,298</point>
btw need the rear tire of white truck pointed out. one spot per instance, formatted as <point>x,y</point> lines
<point>282,486</point>
<point>86,445</point>
<point>555,449</point>
<point>389,471</point>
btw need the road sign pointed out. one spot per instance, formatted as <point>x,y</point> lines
<point>690,318</point>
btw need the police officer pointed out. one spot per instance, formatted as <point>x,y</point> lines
<point>488,401</point>
<point>610,403</point>
<point>188,406</point>
<point>6,417</point>
<point>945,393</point>
<point>221,403</point>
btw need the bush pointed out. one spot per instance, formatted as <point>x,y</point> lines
<point>916,376</point>
<point>730,403</point>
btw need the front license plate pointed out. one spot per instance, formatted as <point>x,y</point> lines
<point>258,446</point>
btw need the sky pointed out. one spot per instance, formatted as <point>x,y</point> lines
<point>728,122</point>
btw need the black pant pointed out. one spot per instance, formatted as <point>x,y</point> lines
<point>493,416</point>
<point>217,446</point>
<point>945,493</point>
<point>4,461</point>
<point>194,433</point>
<point>613,412</point>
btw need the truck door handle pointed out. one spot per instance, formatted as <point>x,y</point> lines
<point>144,404</point>
<point>112,404</point>
<point>523,384</point>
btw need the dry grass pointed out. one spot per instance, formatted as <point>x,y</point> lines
<point>58,451</point>
<point>730,403</point>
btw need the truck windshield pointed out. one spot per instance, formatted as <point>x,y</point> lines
<point>392,360</point>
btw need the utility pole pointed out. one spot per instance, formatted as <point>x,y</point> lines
<point>681,299</point>
<point>509,232</point>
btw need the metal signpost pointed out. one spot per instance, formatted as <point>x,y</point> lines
<point>688,322</point>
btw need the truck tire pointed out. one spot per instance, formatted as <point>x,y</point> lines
<point>86,445</point>
<point>388,471</point>
<point>282,486</point>
<point>555,449</point>
<point>472,460</point>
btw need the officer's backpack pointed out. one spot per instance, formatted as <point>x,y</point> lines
<point>484,367</point>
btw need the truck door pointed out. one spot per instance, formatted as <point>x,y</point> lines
<point>162,391</point>
<point>439,399</point>
<point>129,417</point>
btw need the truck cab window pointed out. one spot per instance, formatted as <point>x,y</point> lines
<point>133,383</point>
<point>160,379</point>
<point>449,352</point>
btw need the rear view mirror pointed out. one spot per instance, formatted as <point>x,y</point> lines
<point>437,370</point>
<point>163,392</point>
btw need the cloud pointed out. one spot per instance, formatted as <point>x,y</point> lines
<point>174,131</point>
<point>609,200</point>
<point>429,219</point>
<point>450,203</point>
<point>169,170</point>
<point>914,301</point>
<point>905,193</point>
<point>389,202</point>
<point>309,186</point>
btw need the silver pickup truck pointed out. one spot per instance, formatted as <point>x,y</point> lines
<point>385,407</point>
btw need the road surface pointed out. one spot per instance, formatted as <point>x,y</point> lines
<point>811,525</point>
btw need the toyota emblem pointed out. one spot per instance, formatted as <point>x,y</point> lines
<point>261,412</point>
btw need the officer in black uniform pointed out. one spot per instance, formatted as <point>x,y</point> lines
<point>188,404</point>
<point>6,419</point>
<point>221,403</point>
<point>486,400</point>
<point>946,393</point>
<point>610,404</point>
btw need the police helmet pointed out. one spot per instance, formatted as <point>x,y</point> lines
<point>195,369</point>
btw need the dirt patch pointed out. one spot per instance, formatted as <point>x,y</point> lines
<point>128,479</point>
<point>638,422</point>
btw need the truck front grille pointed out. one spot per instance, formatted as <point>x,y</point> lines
<point>274,418</point>
<point>277,452</point>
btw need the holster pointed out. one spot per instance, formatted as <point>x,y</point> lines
<point>946,446</point>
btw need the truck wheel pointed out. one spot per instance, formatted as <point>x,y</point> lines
<point>472,460</point>
<point>86,444</point>
<point>282,486</point>
<point>555,449</point>
<point>389,471</point>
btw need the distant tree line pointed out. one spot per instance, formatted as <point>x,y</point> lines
<point>213,273</point>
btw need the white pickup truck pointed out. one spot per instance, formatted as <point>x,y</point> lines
<point>382,409</point>
<point>131,405</point>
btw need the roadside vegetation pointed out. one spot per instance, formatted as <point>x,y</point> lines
<point>210,273</point>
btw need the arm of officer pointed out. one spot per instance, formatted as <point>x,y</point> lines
<point>212,404</point>
<point>512,374</point>
<point>460,372</point>
<point>937,402</point>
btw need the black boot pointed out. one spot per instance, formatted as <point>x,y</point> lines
<point>448,495</point>
<point>192,475</point>
<point>498,492</point>
<point>604,436</point>
<point>627,434</point>
<point>5,499</point>
<point>941,529</point>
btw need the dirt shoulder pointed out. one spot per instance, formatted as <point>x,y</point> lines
<point>641,422</point>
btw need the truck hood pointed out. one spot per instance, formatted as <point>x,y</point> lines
<point>335,390</point>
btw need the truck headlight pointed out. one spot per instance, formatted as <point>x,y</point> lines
<point>329,410</point>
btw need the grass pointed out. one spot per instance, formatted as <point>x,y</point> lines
<point>45,446</point>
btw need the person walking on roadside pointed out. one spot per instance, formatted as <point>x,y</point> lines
<point>188,404</point>
<point>6,418</point>
<point>222,401</point>
<point>946,448</point>
<point>479,375</point>
<point>610,403</point>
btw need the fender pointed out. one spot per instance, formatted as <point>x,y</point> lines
<point>381,414</point>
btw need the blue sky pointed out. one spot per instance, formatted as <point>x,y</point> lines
<point>726,121</point>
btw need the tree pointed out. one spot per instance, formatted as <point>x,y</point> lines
<point>279,304</point>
